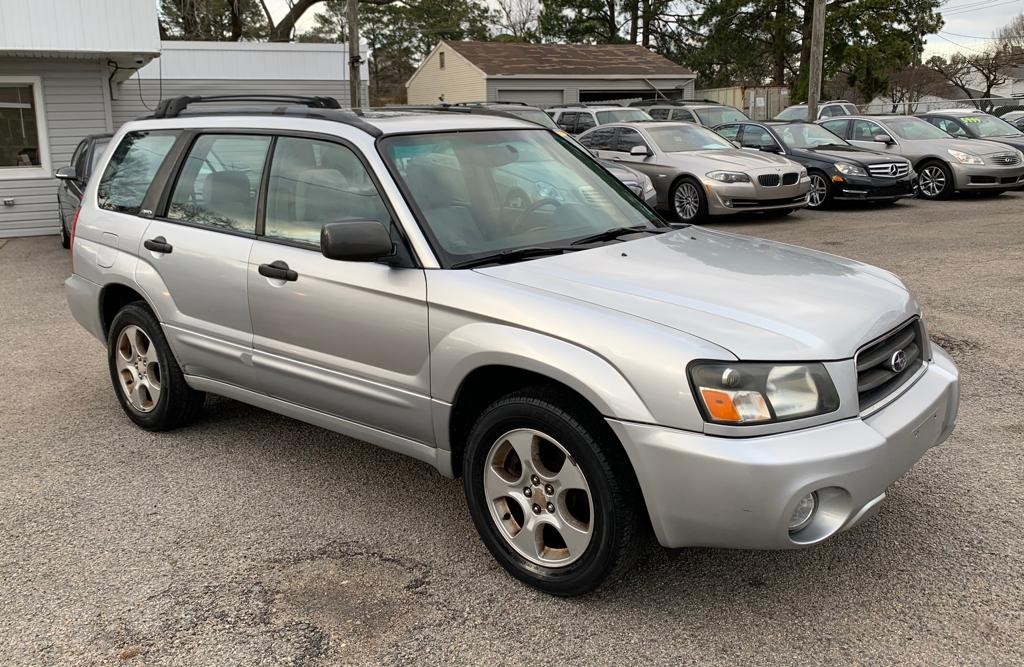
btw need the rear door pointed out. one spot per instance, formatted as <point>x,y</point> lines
<point>345,338</point>
<point>195,253</point>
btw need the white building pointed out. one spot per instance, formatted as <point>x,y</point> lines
<point>71,69</point>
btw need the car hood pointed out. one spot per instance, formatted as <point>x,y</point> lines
<point>758,299</point>
<point>733,158</point>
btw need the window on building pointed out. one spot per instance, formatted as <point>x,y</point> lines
<point>440,59</point>
<point>23,146</point>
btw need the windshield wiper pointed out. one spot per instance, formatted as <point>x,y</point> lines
<point>513,255</point>
<point>616,232</point>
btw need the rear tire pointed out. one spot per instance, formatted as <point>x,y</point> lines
<point>935,181</point>
<point>687,200</point>
<point>568,515</point>
<point>147,379</point>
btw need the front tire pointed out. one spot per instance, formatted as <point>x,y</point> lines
<point>147,379</point>
<point>687,200</point>
<point>820,194</point>
<point>935,181</point>
<point>551,493</point>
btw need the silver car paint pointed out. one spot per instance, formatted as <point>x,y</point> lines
<point>380,353</point>
<point>665,169</point>
<point>919,150</point>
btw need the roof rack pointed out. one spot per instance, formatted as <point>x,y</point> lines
<point>655,101</point>
<point>583,104</point>
<point>486,103</point>
<point>173,106</point>
<point>325,108</point>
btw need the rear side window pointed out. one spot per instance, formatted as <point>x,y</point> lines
<point>659,114</point>
<point>839,127</point>
<point>600,139</point>
<point>131,170</point>
<point>585,122</point>
<point>316,182</point>
<point>682,114</point>
<point>219,182</point>
<point>730,132</point>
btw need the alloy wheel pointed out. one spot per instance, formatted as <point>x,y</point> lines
<point>538,497</point>
<point>138,368</point>
<point>687,201</point>
<point>818,193</point>
<point>931,181</point>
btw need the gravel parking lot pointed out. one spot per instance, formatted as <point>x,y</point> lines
<point>251,539</point>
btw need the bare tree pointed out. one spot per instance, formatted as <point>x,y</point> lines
<point>981,71</point>
<point>1011,36</point>
<point>518,18</point>
<point>281,31</point>
<point>907,86</point>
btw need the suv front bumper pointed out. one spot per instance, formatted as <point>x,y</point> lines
<point>702,490</point>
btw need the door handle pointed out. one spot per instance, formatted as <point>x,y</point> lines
<point>279,270</point>
<point>159,244</point>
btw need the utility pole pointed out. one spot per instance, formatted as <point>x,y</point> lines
<point>354,59</point>
<point>817,55</point>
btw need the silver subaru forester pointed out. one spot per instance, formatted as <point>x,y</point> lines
<point>592,373</point>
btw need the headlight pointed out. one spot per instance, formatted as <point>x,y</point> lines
<point>548,191</point>
<point>850,169</point>
<point>965,158</point>
<point>728,176</point>
<point>757,393</point>
<point>803,173</point>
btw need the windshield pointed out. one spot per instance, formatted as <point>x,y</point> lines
<point>532,115</point>
<point>714,116</point>
<point>683,138</point>
<point>914,128</point>
<point>479,193</point>
<point>798,112</point>
<point>807,135</point>
<point>621,116</point>
<point>989,126</point>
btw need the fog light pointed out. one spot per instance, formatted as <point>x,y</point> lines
<point>803,513</point>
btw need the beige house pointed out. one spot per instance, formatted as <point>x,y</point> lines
<point>545,74</point>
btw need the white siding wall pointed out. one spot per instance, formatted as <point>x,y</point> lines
<point>74,103</point>
<point>91,26</point>
<point>459,81</point>
<point>251,60</point>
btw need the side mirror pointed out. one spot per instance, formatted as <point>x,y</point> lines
<point>884,139</point>
<point>640,151</point>
<point>66,174</point>
<point>770,148</point>
<point>356,241</point>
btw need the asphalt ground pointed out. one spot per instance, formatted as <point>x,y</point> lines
<point>252,539</point>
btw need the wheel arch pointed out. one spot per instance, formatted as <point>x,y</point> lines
<point>113,297</point>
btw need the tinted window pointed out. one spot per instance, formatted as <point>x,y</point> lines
<point>839,127</point>
<point>659,114</point>
<point>948,126</point>
<point>585,122</point>
<point>682,114</point>
<point>622,116</point>
<point>316,182</point>
<point>831,110</point>
<point>599,139</point>
<point>713,116</point>
<point>78,158</point>
<point>567,121</point>
<point>755,136</point>
<point>629,138</point>
<point>798,112</point>
<point>730,132</point>
<point>219,182</point>
<point>97,152</point>
<point>131,170</point>
<point>864,130</point>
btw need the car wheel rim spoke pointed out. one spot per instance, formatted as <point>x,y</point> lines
<point>687,201</point>
<point>138,368</point>
<point>933,181</point>
<point>539,498</point>
<point>817,194</point>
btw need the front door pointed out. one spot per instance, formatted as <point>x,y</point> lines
<point>345,338</point>
<point>195,256</point>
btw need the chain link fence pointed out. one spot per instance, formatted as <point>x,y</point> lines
<point>993,105</point>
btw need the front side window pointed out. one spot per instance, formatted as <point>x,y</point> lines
<point>659,114</point>
<point>914,128</point>
<point>950,127</point>
<point>865,130</point>
<point>21,128</point>
<point>808,135</point>
<point>219,182</point>
<point>482,192</point>
<point>755,136</point>
<point>313,183</point>
<point>622,116</point>
<point>131,170</point>
<point>628,138</point>
<point>838,127</point>
<point>682,114</point>
<point>599,139</point>
<point>683,138</point>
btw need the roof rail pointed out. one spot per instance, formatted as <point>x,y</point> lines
<point>583,105</point>
<point>173,106</point>
<point>485,103</point>
<point>656,101</point>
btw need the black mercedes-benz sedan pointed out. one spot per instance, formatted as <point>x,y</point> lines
<point>838,170</point>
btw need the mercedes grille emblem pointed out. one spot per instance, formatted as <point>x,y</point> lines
<point>898,361</point>
<point>893,168</point>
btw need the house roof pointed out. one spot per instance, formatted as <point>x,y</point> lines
<point>519,59</point>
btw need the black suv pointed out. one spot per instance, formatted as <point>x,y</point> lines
<point>73,179</point>
<point>837,169</point>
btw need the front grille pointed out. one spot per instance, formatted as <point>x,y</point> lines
<point>790,178</point>
<point>889,169</point>
<point>769,180</point>
<point>1005,159</point>
<point>877,375</point>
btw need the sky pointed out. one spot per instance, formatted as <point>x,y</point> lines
<point>969,23</point>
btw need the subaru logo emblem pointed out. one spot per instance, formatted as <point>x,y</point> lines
<point>898,361</point>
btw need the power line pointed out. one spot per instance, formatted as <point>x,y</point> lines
<point>959,45</point>
<point>971,9</point>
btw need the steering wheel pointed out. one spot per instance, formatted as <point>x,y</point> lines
<point>539,204</point>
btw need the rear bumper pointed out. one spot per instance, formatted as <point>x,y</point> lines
<point>84,302</point>
<point>740,492</point>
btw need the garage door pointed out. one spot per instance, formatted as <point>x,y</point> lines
<point>535,97</point>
